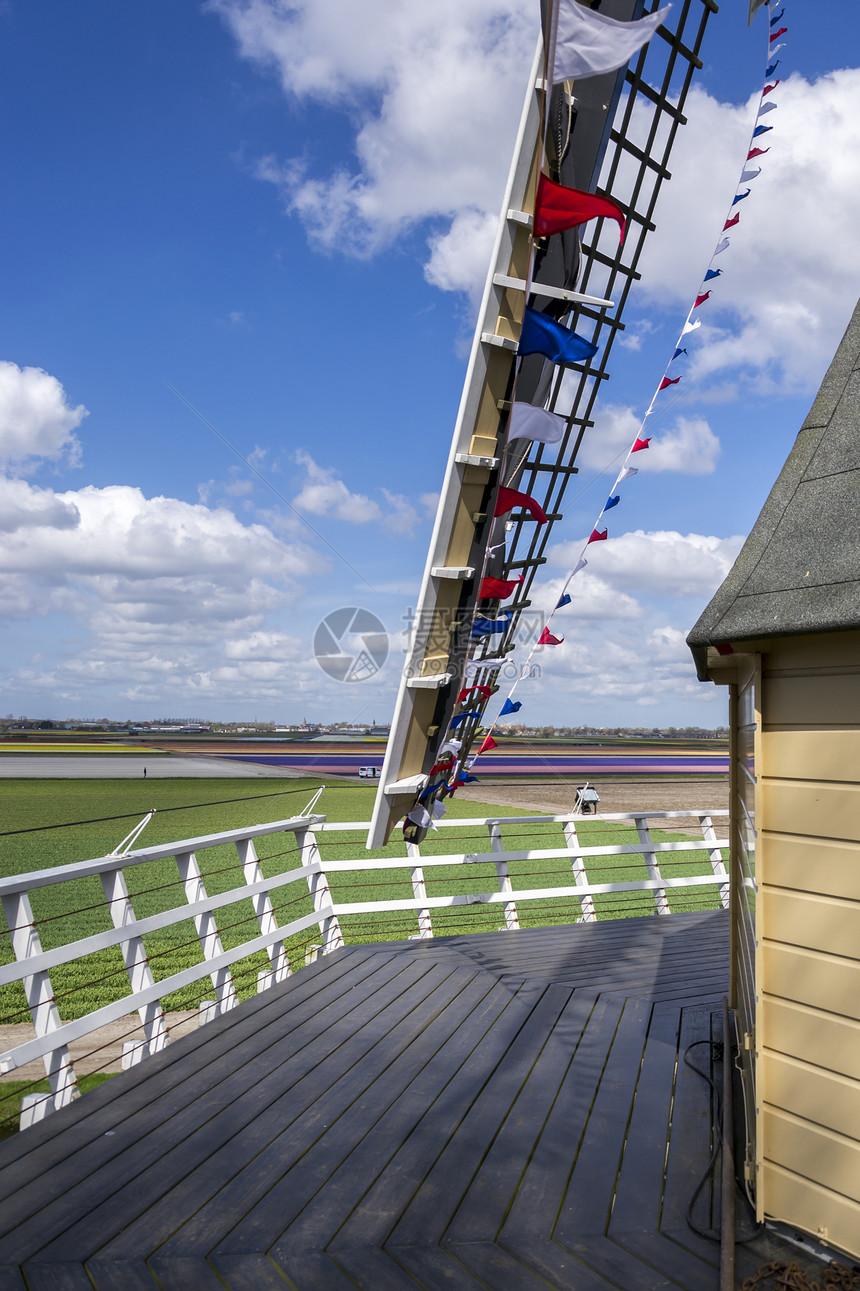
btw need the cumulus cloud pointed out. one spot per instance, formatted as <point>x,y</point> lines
<point>662,562</point>
<point>36,421</point>
<point>593,598</point>
<point>325,493</point>
<point>411,78</point>
<point>687,445</point>
<point>784,277</point>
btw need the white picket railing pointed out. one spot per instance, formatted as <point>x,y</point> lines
<point>318,929</point>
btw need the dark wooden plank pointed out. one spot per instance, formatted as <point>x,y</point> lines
<point>433,1165</point>
<point>121,1275</point>
<point>315,1271</point>
<point>370,1269</point>
<point>358,1145</point>
<point>62,1135</point>
<point>104,1165</point>
<point>11,1278</point>
<point>435,1269</point>
<point>255,1273</point>
<point>107,1205</point>
<point>56,1277</point>
<point>186,1275</point>
<point>480,1166</point>
<point>504,1271</point>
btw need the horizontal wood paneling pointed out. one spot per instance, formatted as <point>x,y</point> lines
<point>823,650</point>
<point>811,1208</point>
<point>823,1038</point>
<point>828,867</point>
<point>811,755</point>
<point>816,1153</point>
<point>811,701</point>
<point>822,981</point>
<point>816,922</point>
<point>812,1092</point>
<point>811,809</point>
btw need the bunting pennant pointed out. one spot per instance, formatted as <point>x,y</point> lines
<point>541,334</point>
<point>740,197</point>
<point>498,589</point>
<point>665,383</point>
<point>497,661</point>
<point>691,327</point>
<point>627,471</point>
<point>712,273</point>
<point>464,717</point>
<point>760,130</point>
<point>756,152</point>
<point>679,351</point>
<point>486,691</point>
<point>562,601</point>
<point>767,107</point>
<point>776,17</point>
<point>507,499</point>
<point>748,175</point>
<point>639,444</point>
<point>547,638</point>
<point>767,89</point>
<point>444,765</point>
<point>489,743</point>
<point>438,809</point>
<point>730,224</point>
<point>776,35</point>
<point>769,71</point>
<point>588,43</point>
<point>451,746</point>
<point>700,300</point>
<point>558,208</point>
<point>597,536</point>
<point>721,245</point>
<point>777,48</point>
<point>509,707</point>
<point>528,422</point>
<point>580,564</point>
<point>465,778</point>
<point>611,502</point>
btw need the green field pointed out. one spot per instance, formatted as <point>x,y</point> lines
<point>189,808</point>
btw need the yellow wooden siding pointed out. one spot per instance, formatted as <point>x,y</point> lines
<point>815,922</point>
<point>814,1152</point>
<point>820,754</point>
<point>823,981</point>
<point>826,1039</point>
<point>814,1094</point>
<point>811,808</point>
<point>822,865</point>
<point>811,1208</point>
<point>816,701</point>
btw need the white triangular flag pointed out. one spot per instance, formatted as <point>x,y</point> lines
<point>438,809</point>
<point>691,327</point>
<point>770,106</point>
<point>528,422</point>
<point>580,564</point>
<point>721,245</point>
<point>627,472</point>
<point>450,746</point>
<point>588,43</point>
<point>776,48</point>
<point>485,663</point>
<point>750,174</point>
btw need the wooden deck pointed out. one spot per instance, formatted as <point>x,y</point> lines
<point>507,1111</point>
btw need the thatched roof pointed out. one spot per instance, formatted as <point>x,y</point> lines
<point>799,569</point>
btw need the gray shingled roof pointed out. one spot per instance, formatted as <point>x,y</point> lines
<point>799,569</point>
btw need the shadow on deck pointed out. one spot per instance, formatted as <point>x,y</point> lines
<point>507,1111</point>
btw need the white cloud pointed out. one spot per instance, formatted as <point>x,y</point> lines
<point>427,92</point>
<point>689,445</point>
<point>592,597</point>
<point>324,493</point>
<point>36,422</point>
<point>785,271</point>
<point>662,562</point>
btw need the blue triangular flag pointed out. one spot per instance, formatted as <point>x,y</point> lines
<point>509,707</point>
<point>681,350</point>
<point>612,502</point>
<point>775,19</point>
<point>486,627</point>
<point>761,130</point>
<point>770,70</point>
<point>712,273</point>
<point>543,335</point>
<point>461,717</point>
<point>740,197</point>
<point>465,778</point>
<point>563,600</point>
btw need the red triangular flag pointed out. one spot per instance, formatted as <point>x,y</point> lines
<point>547,638</point>
<point>558,208</point>
<point>700,300</point>
<point>776,35</point>
<point>730,224</point>
<point>756,152</point>
<point>498,589</point>
<point>489,743</point>
<point>767,89</point>
<point>486,691</point>
<point>508,499</point>
<point>666,382</point>
<point>597,536</point>
<point>639,445</point>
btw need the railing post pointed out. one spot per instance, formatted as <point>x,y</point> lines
<point>43,1010</point>
<point>419,890</point>
<point>138,968</point>
<point>580,878</point>
<point>512,921</point>
<point>207,930</point>
<point>332,937</point>
<point>651,863</point>
<point>263,909</point>
<point>709,834</point>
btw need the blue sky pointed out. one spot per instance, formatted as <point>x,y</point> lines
<point>282,211</point>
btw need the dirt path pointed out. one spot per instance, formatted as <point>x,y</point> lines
<point>647,794</point>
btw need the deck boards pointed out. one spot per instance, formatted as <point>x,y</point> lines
<point>502,1110</point>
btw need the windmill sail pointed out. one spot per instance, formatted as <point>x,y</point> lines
<point>613,133</point>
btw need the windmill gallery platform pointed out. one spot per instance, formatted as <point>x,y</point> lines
<point>504,1110</point>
